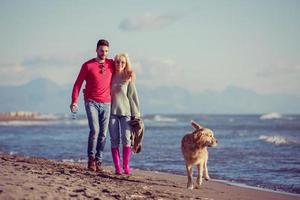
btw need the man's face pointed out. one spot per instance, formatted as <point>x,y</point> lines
<point>102,52</point>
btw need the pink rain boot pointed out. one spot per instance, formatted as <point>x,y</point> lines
<point>126,159</point>
<point>116,158</point>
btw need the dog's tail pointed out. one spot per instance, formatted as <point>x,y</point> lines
<point>196,125</point>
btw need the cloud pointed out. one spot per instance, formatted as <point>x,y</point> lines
<point>12,74</point>
<point>278,78</point>
<point>281,70</point>
<point>11,68</point>
<point>148,21</point>
<point>52,60</point>
<point>155,72</point>
<point>58,68</point>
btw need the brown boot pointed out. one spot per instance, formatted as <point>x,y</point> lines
<point>99,166</point>
<point>92,164</point>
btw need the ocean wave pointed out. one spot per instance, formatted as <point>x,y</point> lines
<point>26,123</point>
<point>77,122</point>
<point>74,161</point>
<point>274,139</point>
<point>48,116</point>
<point>13,153</point>
<point>287,169</point>
<point>159,118</point>
<point>231,120</point>
<point>68,160</point>
<point>272,115</point>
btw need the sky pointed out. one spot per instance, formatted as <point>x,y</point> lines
<point>196,45</point>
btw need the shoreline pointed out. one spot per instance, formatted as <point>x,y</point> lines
<point>32,178</point>
<point>242,185</point>
<point>228,182</point>
<point>232,183</point>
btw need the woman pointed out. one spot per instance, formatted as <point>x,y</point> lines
<point>124,106</point>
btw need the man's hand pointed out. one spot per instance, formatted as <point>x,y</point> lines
<point>73,107</point>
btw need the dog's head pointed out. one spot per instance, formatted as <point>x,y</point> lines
<point>204,136</point>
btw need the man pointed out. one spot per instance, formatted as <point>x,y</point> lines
<point>97,74</point>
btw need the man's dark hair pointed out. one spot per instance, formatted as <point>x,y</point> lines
<point>102,42</point>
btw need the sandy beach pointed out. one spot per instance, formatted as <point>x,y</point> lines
<point>38,178</point>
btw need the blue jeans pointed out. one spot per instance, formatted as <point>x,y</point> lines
<point>98,118</point>
<point>118,126</point>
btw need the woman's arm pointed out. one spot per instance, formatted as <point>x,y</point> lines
<point>133,99</point>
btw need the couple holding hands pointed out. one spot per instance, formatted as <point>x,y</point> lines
<point>111,101</point>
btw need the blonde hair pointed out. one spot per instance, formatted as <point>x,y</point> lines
<point>128,72</point>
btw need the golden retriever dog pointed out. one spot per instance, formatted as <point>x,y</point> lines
<point>194,149</point>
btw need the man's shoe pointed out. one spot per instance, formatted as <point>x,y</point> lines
<point>99,166</point>
<point>92,164</point>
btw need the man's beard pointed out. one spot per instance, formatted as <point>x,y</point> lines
<point>101,57</point>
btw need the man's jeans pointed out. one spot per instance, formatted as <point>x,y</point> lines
<point>98,118</point>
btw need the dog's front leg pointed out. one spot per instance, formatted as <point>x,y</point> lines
<point>200,174</point>
<point>189,170</point>
<point>206,176</point>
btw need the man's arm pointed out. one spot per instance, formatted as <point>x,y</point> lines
<point>77,86</point>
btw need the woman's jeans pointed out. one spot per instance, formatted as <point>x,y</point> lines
<point>98,118</point>
<point>119,129</point>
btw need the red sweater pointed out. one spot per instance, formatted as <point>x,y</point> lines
<point>97,85</point>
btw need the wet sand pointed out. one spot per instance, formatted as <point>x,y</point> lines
<point>37,178</point>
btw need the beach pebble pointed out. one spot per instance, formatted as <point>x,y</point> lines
<point>73,195</point>
<point>147,193</point>
<point>79,190</point>
<point>105,191</point>
<point>35,171</point>
<point>61,188</point>
<point>88,173</point>
<point>136,196</point>
<point>116,196</point>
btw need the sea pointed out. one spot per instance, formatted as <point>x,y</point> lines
<point>260,151</point>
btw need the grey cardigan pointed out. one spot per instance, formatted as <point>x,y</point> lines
<point>124,96</point>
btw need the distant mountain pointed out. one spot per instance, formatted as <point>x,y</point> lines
<point>43,95</point>
<point>232,100</point>
<point>39,95</point>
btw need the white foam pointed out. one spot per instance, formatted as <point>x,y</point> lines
<point>25,123</point>
<point>272,115</point>
<point>82,160</point>
<point>160,118</point>
<point>47,116</point>
<point>73,161</point>
<point>231,120</point>
<point>68,160</point>
<point>77,122</point>
<point>275,139</point>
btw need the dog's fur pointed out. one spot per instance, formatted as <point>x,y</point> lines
<point>194,149</point>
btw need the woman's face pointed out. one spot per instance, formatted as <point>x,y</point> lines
<point>120,64</point>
